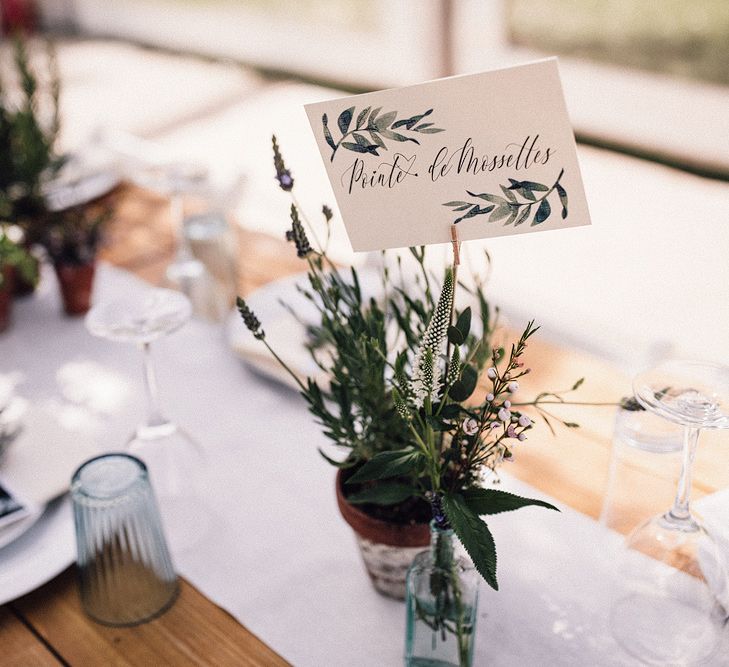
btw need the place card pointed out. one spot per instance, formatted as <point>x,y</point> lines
<point>492,153</point>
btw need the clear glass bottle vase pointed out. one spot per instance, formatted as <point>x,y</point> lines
<point>442,603</point>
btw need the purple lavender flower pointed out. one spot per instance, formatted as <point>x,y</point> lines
<point>283,175</point>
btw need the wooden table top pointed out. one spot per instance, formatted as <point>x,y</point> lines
<point>48,627</point>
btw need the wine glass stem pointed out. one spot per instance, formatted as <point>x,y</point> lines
<point>680,509</point>
<point>154,416</point>
<point>177,213</point>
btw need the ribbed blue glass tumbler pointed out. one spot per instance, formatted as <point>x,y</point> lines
<point>125,570</point>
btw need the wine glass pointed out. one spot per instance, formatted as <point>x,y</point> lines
<point>671,602</point>
<point>173,458</point>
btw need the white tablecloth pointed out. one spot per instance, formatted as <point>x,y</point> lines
<point>276,553</point>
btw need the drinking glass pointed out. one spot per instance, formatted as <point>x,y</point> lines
<point>671,603</point>
<point>125,571</point>
<point>174,459</point>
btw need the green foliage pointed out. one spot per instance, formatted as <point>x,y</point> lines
<point>15,255</point>
<point>26,142</point>
<point>494,501</point>
<point>385,493</point>
<point>474,535</point>
<point>388,464</point>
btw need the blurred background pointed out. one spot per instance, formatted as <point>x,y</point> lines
<point>206,83</point>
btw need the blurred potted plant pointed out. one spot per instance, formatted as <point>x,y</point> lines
<point>29,127</point>
<point>15,262</point>
<point>355,343</point>
<point>71,238</point>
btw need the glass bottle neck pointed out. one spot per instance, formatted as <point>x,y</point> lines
<point>441,545</point>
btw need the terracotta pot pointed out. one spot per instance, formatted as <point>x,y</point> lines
<point>6,297</point>
<point>76,281</point>
<point>387,548</point>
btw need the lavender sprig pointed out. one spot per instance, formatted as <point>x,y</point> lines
<point>283,175</point>
<point>297,234</point>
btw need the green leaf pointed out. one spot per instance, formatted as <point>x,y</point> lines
<point>436,423</point>
<point>372,120</point>
<point>451,411</point>
<point>474,535</point>
<point>395,136</point>
<point>338,464</point>
<point>455,337</point>
<point>508,193</point>
<point>430,130</point>
<point>456,203</point>
<point>542,212</point>
<point>357,148</point>
<point>385,493</point>
<point>494,501</point>
<point>387,464</point>
<point>461,389</point>
<point>463,323</point>
<point>344,120</point>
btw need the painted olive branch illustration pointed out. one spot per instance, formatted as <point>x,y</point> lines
<point>377,126</point>
<point>510,207</point>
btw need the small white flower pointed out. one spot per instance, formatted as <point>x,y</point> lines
<point>470,426</point>
<point>507,404</point>
<point>513,386</point>
<point>522,437</point>
<point>525,421</point>
<point>504,415</point>
<point>491,372</point>
<point>489,397</point>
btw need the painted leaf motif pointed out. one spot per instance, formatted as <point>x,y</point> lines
<point>357,148</point>
<point>383,122</point>
<point>327,132</point>
<point>361,117</point>
<point>371,121</point>
<point>456,203</point>
<point>345,118</point>
<point>531,185</point>
<point>500,213</point>
<point>542,212</point>
<point>360,139</point>
<point>523,215</point>
<point>512,216</point>
<point>508,193</point>
<point>431,130</point>
<point>396,136</point>
<point>494,199</point>
<point>562,198</point>
<point>377,140</point>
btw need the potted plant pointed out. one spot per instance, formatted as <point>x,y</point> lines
<point>354,344</point>
<point>71,238</point>
<point>29,127</point>
<point>15,262</point>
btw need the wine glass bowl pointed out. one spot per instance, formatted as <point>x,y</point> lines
<point>140,318</point>
<point>671,602</point>
<point>694,394</point>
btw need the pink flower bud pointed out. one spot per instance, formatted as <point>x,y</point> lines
<point>513,386</point>
<point>491,373</point>
<point>470,426</point>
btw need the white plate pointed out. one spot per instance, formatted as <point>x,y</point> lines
<point>284,332</point>
<point>40,554</point>
<point>14,530</point>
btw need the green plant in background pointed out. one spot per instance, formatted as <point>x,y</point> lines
<point>14,255</point>
<point>29,127</point>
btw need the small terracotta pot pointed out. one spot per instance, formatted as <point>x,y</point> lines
<point>76,282</point>
<point>387,548</point>
<point>6,297</point>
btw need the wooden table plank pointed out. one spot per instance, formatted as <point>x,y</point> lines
<point>192,632</point>
<point>19,646</point>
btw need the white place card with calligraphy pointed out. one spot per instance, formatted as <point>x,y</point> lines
<point>493,153</point>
